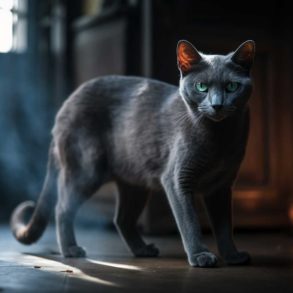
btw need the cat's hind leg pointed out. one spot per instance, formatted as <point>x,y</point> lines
<point>74,188</point>
<point>130,203</point>
<point>70,199</point>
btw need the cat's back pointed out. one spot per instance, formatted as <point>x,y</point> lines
<point>108,92</point>
<point>99,103</point>
<point>120,88</point>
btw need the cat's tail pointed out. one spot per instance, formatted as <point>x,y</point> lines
<point>29,220</point>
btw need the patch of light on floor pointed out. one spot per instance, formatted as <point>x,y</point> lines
<point>115,265</point>
<point>49,265</point>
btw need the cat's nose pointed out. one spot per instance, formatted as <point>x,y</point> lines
<point>217,107</point>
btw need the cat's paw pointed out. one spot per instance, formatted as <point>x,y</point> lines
<point>203,259</point>
<point>149,250</point>
<point>74,251</point>
<point>237,258</point>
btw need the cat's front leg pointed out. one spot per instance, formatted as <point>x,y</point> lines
<point>180,198</point>
<point>219,206</point>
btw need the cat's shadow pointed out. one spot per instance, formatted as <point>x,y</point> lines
<point>272,261</point>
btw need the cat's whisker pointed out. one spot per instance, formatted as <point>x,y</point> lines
<point>184,117</point>
<point>203,107</point>
<point>182,120</point>
<point>199,119</point>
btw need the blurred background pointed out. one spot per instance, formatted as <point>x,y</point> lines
<point>48,48</point>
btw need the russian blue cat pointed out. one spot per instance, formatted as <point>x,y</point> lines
<point>144,135</point>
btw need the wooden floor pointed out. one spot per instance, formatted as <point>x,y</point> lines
<point>110,268</point>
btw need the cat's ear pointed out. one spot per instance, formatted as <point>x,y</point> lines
<point>244,54</point>
<point>187,56</point>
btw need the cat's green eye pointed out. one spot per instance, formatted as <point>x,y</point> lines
<point>232,87</point>
<point>201,87</point>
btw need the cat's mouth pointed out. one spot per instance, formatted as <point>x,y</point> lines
<point>217,115</point>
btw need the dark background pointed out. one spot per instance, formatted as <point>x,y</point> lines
<point>68,42</point>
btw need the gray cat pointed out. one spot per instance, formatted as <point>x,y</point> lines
<point>145,134</point>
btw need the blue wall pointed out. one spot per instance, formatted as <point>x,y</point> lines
<point>26,117</point>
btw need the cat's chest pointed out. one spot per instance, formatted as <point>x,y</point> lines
<point>214,161</point>
<point>214,148</point>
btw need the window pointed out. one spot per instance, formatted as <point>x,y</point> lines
<point>13,26</point>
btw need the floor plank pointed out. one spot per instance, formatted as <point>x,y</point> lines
<point>110,268</point>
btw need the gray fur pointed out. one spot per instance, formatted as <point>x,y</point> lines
<point>148,135</point>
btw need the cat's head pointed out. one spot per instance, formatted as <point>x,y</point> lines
<point>215,85</point>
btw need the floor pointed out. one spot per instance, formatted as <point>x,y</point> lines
<point>110,268</point>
